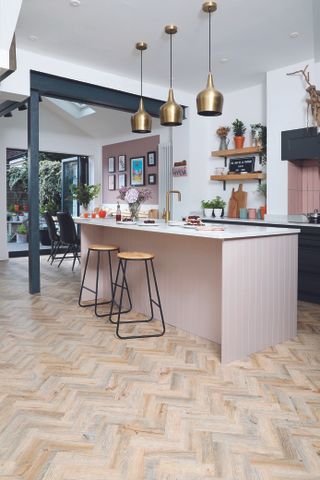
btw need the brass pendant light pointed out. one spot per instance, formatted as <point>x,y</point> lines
<point>141,121</point>
<point>171,114</point>
<point>209,101</point>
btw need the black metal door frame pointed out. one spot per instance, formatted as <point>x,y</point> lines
<point>72,90</point>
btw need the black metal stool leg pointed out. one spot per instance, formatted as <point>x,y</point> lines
<point>83,279</point>
<point>115,284</point>
<point>151,300</point>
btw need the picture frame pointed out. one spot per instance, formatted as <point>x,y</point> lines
<point>111,182</point>
<point>122,180</point>
<point>152,179</point>
<point>137,171</point>
<point>111,164</point>
<point>122,163</point>
<point>152,159</point>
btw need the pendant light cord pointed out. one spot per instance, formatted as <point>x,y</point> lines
<point>141,72</point>
<point>171,61</point>
<point>210,42</point>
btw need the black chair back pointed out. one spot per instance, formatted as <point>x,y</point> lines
<point>68,233</point>
<point>52,231</point>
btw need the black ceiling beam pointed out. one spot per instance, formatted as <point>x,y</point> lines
<point>73,90</point>
<point>8,106</point>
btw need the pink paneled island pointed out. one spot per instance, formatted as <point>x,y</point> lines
<point>236,287</point>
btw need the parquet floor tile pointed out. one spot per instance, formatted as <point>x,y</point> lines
<point>78,404</point>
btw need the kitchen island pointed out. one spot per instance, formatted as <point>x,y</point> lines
<point>236,287</point>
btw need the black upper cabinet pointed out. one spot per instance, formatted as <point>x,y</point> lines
<point>300,144</point>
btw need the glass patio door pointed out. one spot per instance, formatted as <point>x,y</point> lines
<point>70,176</point>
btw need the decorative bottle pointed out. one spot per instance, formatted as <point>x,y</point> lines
<point>118,213</point>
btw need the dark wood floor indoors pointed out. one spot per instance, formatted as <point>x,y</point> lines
<point>78,404</point>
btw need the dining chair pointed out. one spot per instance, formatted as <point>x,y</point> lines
<point>68,236</point>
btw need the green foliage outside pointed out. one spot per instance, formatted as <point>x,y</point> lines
<point>49,183</point>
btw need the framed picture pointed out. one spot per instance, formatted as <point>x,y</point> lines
<point>152,162</point>
<point>122,163</point>
<point>137,171</point>
<point>111,164</point>
<point>122,180</point>
<point>111,182</point>
<point>152,179</point>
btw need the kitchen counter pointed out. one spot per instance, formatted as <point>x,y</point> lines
<point>236,287</point>
<point>282,220</point>
<point>178,228</point>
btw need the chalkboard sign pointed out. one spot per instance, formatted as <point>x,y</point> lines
<point>237,165</point>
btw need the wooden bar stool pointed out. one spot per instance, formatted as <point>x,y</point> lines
<point>124,258</point>
<point>99,249</point>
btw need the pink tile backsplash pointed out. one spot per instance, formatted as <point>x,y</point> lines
<point>303,187</point>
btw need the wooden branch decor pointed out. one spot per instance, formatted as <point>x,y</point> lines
<point>313,101</point>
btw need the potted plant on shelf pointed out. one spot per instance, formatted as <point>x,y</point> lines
<point>22,234</point>
<point>238,132</point>
<point>207,206</point>
<point>218,206</point>
<point>84,193</point>
<point>262,190</point>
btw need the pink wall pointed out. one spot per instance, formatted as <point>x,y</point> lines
<point>303,186</point>
<point>132,148</point>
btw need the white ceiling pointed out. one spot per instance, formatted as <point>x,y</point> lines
<point>252,34</point>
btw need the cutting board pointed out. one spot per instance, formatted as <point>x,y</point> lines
<point>241,198</point>
<point>232,205</point>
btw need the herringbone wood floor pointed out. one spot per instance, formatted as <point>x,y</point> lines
<point>78,404</point>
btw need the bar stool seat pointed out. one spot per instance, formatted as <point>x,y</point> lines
<point>100,249</point>
<point>135,256</point>
<point>147,259</point>
<point>103,248</point>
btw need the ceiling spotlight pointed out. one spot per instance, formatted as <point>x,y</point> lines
<point>75,3</point>
<point>22,107</point>
<point>294,34</point>
<point>8,115</point>
<point>224,60</point>
<point>33,38</point>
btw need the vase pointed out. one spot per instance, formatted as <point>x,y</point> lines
<point>224,142</point>
<point>134,210</point>
<point>83,210</point>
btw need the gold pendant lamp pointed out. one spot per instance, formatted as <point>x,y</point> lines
<point>141,121</point>
<point>171,114</point>
<point>209,101</point>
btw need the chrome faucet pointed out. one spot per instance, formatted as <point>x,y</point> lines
<point>167,216</point>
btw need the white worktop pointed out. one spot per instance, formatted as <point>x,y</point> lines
<point>283,220</point>
<point>230,231</point>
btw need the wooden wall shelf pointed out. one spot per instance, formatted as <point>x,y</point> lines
<point>236,152</point>
<point>234,177</point>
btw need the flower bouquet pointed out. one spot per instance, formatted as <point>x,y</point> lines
<point>134,197</point>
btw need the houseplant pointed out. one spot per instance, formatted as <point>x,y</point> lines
<point>207,206</point>
<point>84,193</point>
<point>22,234</point>
<point>218,206</point>
<point>222,133</point>
<point>238,129</point>
<point>134,197</point>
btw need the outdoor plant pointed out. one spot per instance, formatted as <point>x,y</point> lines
<point>18,177</point>
<point>217,202</point>
<point>207,204</point>
<point>50,186</point>
<point>22,229</point>
<point>85,193</point>
<point>238,128</point>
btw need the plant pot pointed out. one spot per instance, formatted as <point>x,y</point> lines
<point>239,142</point>
<point>207,212</point>
<point>218,212</point>
<point>16,207</point>
<point>21,237</point>
<point>263,211</point>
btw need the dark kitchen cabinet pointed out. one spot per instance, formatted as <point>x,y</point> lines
<point>308,259</point>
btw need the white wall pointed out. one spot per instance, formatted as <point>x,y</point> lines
<point>56,135</point>
<point>286,110</point>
